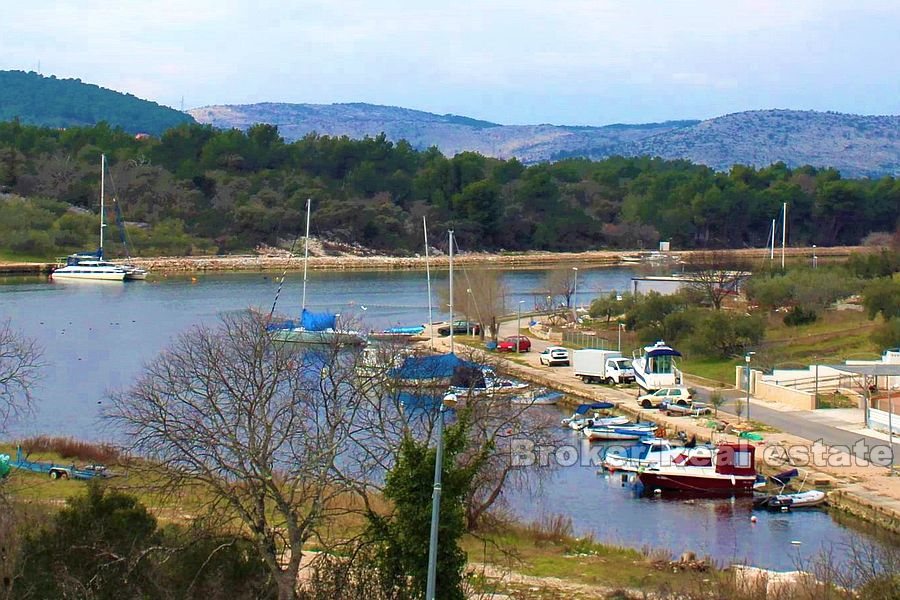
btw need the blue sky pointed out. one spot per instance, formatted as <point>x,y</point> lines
<point>590,62</point>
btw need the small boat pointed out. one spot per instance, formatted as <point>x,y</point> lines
<point>730,469</point>
<point>655,368</point>
<point>651,452</point>
<point>540,396</point>
<point>580,419</point>
<point>628,431</point>
<point>782,501</point>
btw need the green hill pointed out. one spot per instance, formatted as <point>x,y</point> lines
<point>51,102</point>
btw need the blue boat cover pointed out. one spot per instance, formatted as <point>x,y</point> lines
<point>435,366</point>
<point>663,352</point>
<point>412,330</point>
<point>583,408</point>
<point>311,321</point>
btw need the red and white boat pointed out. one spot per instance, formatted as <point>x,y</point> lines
<point>730,469</point>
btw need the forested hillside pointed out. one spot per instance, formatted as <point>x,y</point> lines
<point>52,102</point>
<point>198,190</point>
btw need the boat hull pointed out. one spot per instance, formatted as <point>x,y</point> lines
<point>323,338</point>
<point>687,482</point>
<point>98,276</point>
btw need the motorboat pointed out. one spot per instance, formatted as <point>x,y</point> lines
<point>627,431</point>
<point>729,469</point>
<point>782,501</point>
<point>580,419</point>
<point>651,452</point>
<point>654,367</point>
<point>539,396</point>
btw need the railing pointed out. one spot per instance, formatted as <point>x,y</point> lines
<point>581,339</point>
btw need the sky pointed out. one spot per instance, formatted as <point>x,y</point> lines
<point>565,62</point>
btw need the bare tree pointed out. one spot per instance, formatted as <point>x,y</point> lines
<point>560,284</point>
<point>480,295</point>
<point>255,427</point>
<point>715,275</point>
<point>20,365</point>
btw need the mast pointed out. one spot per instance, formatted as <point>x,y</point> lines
<point>772,253</point>
<point>783,232</point>
<point>102,194</point>
<point>428,276</point>
<point>451,290</point>
<point>305,256</point>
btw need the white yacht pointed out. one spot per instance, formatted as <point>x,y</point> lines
<point>79,267</point>
<point>655,367</point>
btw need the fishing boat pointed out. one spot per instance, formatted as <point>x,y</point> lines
<point>730,469</point>
<point>580,419</point>
<point>654,367</point>
<point>650,452</point>
<point>628,431</point>
<point>313,328</point>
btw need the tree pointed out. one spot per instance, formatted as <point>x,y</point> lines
<point>20,366</point>
<point>716,400</point>
<point>254,427</point>
<point>560,283</point>
<point>480,295</point>
<point>882,296</point>
<point>715,275</point>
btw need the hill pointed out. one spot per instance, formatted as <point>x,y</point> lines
<point>856,145</point>
<point>51,102</point>
<point>452,134</point>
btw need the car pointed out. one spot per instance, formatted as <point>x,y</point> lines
<point>514,343</point>
<point>679,395</point>
<point>460,328</point>
<point>554,355</point>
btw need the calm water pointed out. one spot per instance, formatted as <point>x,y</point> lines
<point>97,336</point>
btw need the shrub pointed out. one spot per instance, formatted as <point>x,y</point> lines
<point>800,316</point>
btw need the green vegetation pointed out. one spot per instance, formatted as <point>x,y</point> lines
<point>198,190</point>
<point>51,102</point>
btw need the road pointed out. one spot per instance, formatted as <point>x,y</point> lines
<point>809,425</point>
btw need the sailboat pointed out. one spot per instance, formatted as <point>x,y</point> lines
<point>314,328</point>
<point>92,265</point>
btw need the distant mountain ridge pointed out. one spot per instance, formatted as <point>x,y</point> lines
<point>856,145</point>
<point>51,102</point>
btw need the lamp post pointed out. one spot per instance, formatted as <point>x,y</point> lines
<point>468,292</point>
<point>620,328</point>
<point>815,258</point>
<point>518,323</point>
<point>575,294</point>
<point>747,359</point>
<point>449,401</point>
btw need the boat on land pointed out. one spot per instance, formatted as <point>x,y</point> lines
<point>628,431</point>
<point>313,328</point>
<point>651,452</point>
<point>730,469</point>
<point>655,368</point>
<point>92,266</point>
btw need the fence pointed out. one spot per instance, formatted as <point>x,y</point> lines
<point>581,339</point>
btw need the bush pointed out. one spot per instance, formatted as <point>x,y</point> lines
<point>800,316</point>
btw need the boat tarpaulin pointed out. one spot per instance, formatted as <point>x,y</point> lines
<point>583,408</point>
<point>311,321</point>
<point>436,366</point>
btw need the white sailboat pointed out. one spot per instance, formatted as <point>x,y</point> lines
<point>92,265</point>
<point>314,328</point>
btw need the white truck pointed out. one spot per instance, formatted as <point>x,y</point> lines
<point>602,366</point>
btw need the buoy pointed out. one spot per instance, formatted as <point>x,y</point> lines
<point>753,519</point>
<point>796,542</point>
<point>657,491</point>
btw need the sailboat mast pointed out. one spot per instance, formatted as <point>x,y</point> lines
<point>305,255</point>
<point>428,276</point>
<point>451,291</point>
<point>102,195</point>
<point>783,233</point>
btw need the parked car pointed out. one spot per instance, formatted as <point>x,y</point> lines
<point>509,344</point>
<point>554,355</point>
<point>460,328</point>
<point>669,395</point>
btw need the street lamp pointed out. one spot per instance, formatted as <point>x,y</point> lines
<point>621,327</point>
<point>449,401</point>
<point>468,292</point>
<point>747,359</point>
<point>575,294</point>
<point>815,258</point>
<point>518,323</point>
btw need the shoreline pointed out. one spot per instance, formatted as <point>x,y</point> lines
<point>285,262</point>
